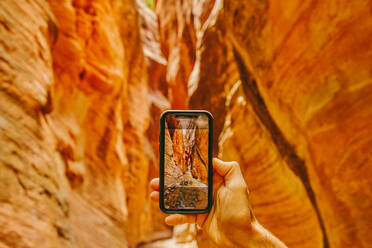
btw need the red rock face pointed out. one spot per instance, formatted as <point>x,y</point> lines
<point>172,171</point>
<point>83,83</point>
<point>200,161</point>
<point>34,191</point>
<point>315,107</point>
<point>79,84</point>
<point>288,85</point>
<point>185,171</point>
<point>187,147</point>
<point>179,149</point>
<point>177,36</point>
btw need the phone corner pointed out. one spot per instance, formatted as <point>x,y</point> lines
<point>164,114</point>
<point>164,210</point>
<point>207,113</point>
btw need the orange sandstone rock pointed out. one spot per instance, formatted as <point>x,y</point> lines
<point>200,153</point>
<point>75,107</point>
<point>288,85</point>
<point>82,85</point>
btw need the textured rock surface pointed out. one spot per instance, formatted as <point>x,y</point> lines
<point>303,69</point>
<point>179,150</point>
<point>181,197</point>
<point>185,171</point>
<point>82,85</point>
<point>171,170</point>
<point>288,85</point>
<point>33,187</point>
<point>157,98</point>
<point>200,163</point>
<point>75,115</point>
<point>177,41</point>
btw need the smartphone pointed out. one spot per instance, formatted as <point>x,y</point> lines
<point>186,173</point>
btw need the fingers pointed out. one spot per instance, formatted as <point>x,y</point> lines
<point>221,167</point>
<point>154,195</point>
<point>217,181</point>
<point>155,184</point>
<point>178,219</point>
<point>200,219</point>
<point>230,171</point>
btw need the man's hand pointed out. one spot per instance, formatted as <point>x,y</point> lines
<point>230,223</point>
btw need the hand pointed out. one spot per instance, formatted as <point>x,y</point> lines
<point>230,223</point>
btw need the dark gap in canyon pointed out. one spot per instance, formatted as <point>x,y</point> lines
<point>287,151</point>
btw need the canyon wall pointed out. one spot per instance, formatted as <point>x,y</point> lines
<point>185,171</point>
<point>289,87</point>
<point>77,139</point>
<point>83,83</point>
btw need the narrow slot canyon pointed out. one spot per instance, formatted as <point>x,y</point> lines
<point>83,84</point>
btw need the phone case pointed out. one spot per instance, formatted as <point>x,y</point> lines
<point>161,167</point>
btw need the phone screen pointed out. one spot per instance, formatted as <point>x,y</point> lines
<point>186,161</point>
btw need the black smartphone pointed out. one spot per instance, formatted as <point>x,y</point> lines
<point>186,173</point>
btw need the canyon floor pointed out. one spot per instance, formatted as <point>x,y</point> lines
<point>187,193</point>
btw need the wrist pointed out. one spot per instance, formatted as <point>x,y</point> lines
<point>251,235</point>
<point>263,238</point>
<point>239,234</point>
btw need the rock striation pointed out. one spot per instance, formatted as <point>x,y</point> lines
<point>185,173</point>
<point>76,135</point>
<point>287,85</point>
<point>83,83</point>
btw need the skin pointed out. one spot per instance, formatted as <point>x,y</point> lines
<point>230,223</point>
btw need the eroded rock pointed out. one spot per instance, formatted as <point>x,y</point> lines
<point>288,86</point>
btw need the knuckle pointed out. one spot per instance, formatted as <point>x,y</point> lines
<point>235,164</point>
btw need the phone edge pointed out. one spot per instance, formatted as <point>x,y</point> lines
<point>161,164</point>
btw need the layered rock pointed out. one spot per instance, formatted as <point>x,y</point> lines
<point>200,156</point>
<point>34,190</point>
<point>315,106</point>
<point>155,65</point>
<point>177,42</point>
<point>110,69</point>
<point>171,170</point>
<point>278,197</point>
<point>185,174</point>
<point>179,150</point>
<point>82,85</point>
<point>288,85</point>
<point>75,106</point>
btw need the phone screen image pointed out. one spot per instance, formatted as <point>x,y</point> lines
<point>186,161</point>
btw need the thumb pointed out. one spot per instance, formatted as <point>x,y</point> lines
<point>231,173</point>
